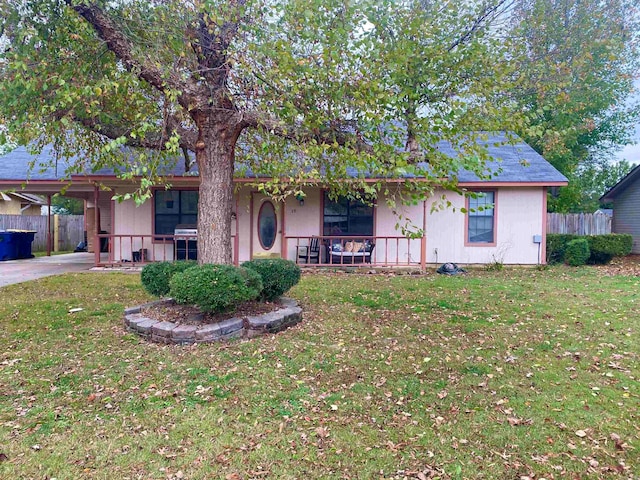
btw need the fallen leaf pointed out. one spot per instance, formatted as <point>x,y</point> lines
<point>581,433</point>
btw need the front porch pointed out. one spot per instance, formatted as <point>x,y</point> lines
<point>308,251</point>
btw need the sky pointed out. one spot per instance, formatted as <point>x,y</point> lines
<point>632,152</point>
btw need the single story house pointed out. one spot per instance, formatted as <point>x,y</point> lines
<point>625,196</point>
<point>506,223</point>
<point>21,203</point>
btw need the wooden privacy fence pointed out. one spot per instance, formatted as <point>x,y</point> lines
<point>579,223</point>
<point>70,229</point>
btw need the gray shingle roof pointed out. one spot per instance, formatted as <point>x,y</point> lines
<point>514,163</point>
<point>619,187</point>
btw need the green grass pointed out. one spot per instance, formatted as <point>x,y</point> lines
<point>498,374</point>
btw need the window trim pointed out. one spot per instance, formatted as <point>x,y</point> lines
<point>467,243</point>
<point>374,214</point>
<point>160,238</point>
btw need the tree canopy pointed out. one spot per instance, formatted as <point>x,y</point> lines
<point>577,61</point>
<point>296,90</point>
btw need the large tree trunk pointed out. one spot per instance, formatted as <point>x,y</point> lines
<point>215,154</point>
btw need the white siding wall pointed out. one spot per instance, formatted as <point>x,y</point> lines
<point>303,220</point>
<point>626,214</point>
<point>403,251</point>
<point>519,217</point>
<point>132,219</point>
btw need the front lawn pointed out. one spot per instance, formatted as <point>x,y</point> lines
<point>510,374</point>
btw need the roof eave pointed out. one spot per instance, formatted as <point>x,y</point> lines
<point>620,186</point>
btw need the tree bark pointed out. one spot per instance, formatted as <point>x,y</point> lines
<point>215,154</point>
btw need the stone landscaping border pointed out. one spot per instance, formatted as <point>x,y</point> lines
<point>248,327</point>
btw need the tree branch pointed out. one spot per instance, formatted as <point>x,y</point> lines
<point>152,140</point>
<point>344,133</point>
<point>487,12</point>
<point>189,91</point>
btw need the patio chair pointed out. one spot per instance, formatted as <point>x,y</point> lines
<point>309,253</point>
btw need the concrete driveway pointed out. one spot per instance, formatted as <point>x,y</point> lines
<point>16,271</point>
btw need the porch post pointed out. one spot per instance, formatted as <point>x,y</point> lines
<point>96,226</point>
<point>49,225</point>
<point>283,235</point>
<point>423,240</point>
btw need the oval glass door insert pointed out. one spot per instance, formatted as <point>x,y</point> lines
<point>267,225</point>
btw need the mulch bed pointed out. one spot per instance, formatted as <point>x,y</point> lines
<point>190,315</point>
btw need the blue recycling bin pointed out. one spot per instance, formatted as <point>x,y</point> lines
<point>23,240</point>
<point>16,244</point>
<point>8,250</point>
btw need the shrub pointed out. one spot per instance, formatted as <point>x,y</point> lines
<point>604,247</point>
<point>556,246</point>
<point>278,276</point>
<point>577,252</point>
<point>215,288</point>
<point>155,276</point>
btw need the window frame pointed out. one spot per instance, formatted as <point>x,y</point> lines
<point>326,199</point>
<point>468,214</point>
<point>163,237</point>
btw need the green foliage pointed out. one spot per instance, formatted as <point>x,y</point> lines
<point>602,247</point>
<point>156,276</point>
<point>577,252</point>
<point>67,205</point>
<point>576,60</point>
<point>278,276</point>
<point>557,245</point>
<point>309,86</point>
<point>216,288</point>
<point>495,266</point>
<point>593,178</point>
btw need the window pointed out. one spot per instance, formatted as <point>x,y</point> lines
<point>346,217</point>
<point>481,218</point>
<point>267,225</point>
<point>174,207</point>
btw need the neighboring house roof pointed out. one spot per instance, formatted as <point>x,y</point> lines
<point>619,187</point>
<point>513,163</point>
<point>605,211</point>
<point>29,198</point>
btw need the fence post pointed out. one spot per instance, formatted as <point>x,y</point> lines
<point>56,233</point>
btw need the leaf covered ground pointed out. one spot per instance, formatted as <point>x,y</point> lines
<point>513,374</point>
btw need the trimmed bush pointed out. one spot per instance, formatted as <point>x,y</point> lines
<point>577,252</point>
<point>556,246</point>
<point>278,276</point>
<point>604,247</point>
<point>216,288</point>
<point>155,276</point>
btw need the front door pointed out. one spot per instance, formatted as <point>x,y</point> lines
<point>266,227</point>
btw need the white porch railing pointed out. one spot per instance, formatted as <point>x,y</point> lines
<point>384,251</point>
<point>125,250</point>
